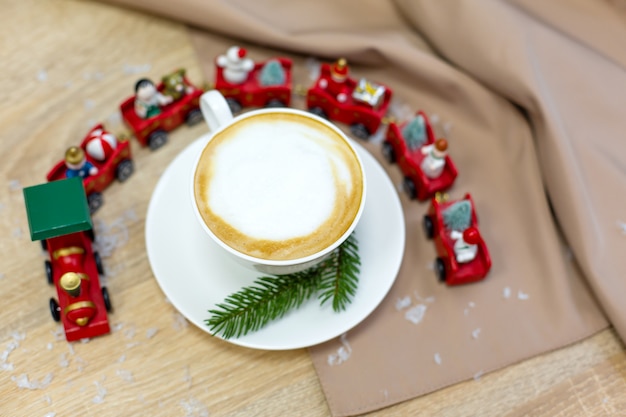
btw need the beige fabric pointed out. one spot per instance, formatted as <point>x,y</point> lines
<point>535,93</point>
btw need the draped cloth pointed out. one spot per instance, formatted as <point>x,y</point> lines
<point>531,97</point>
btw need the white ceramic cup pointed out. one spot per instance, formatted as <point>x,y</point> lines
<point>219,118</point>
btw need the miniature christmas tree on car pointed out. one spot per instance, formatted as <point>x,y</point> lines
<point>272,73</point>
<point>414,132</point>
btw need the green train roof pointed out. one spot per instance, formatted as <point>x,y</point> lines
<point>57,208</point>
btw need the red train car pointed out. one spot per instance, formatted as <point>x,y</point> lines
<point>251,93</point>
<point>364,119</point>
<point>118,165</point>
<point>152,131</point>
<point>58,215</point>
<point>446,266</point>
<point>416,184</point>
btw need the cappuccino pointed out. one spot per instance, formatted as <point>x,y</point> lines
<point>278,185</point>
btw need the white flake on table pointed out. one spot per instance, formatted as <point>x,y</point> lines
<point>47,399</point>
<point>110,236</point>
<point>476,333</point>
<point>180,322</point>
<point>85,340</point>
<point>136,69</point>
<point>125,375</point>
<point>506,292</point>
<point>522,295</point>
<point>403,303</point>
<point>101,392</point>
<point>121,358</point>
<point>129,333</point>
<point>42,75</point>
<point>63,362</point>
<point>22,381</point>
<point>89,104</point>
<point>50,414</point>
<point>343,353</point>
<point>622,226</point>
<point>151,332</point>
<point>478,375</point>
<point>194,408</point>
<point>416,314</point>
<point>15,185</point>
<point>187,377</point>
<point>437,358</point>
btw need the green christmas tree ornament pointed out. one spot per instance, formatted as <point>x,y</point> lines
<point>415,132</point>
<point>458,216</point>
<point>272,73</point>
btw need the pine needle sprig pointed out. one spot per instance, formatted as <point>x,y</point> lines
<point>271,297</point>
<point>267,299</point>
<point>340,275</point>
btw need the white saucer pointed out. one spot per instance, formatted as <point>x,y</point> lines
<point>194,274</point>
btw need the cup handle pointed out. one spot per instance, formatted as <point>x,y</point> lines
<point>215,109</point>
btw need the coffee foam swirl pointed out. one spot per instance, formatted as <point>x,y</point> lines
<point>278,186</point>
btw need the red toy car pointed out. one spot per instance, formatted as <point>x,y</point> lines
<point>365,104</point>
<point>251,92</point>
<point>58,215</point>
<point>416,184</point>
<point>117,163</point>
<point>152,131</point>
<point>448,269</point>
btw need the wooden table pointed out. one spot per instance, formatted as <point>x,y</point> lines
<point>67,65</point>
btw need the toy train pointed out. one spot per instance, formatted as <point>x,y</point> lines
<point>76,184</point>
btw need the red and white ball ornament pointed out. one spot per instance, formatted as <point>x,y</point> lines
<point>100,144</point>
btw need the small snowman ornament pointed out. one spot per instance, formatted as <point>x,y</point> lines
<point>236,66</point>
<point>435,160</point>
<point>465,244</point>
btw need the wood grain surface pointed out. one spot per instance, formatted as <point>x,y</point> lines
<point>69,64</point>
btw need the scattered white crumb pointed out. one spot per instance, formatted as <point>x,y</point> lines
<point>522,296</point>
<point>49,346</point>
<point>72,351</point>
<point>476,333</point>
<point>22,381</point>
<point>194,408</point>
<point>187,377</point>
<point>50,414</point>
<point>434,118</point>
<point>101,393</point>
<point>343,353</point>
<point>122,358</point>
<point>98,75</point>
<point>115,118</point>
<point>63,362</point>
<point>477,375</point>
<point>136,69</point>
<point>180,322</point>
<point>506,293</point>
<point>426,300</point>
<point>1,276</point>
<point>471,304</point>
<point>416,314</point>
<point>605,400</point>
<point>58,334</point>
<point>15,185</point>
<point>117,327</point>
<point>386,394</point>
<point>400,110</point>
<point>622,226</point>
<point>42,75</point>
<point>17,232</point>
<point>85,340</point>
<point>129,333</point>
<point>151,332</point>
<point>437,358</point>
<point>402,303</point>
<point>47,399</point>
<point>110,236</point>
<point>132,345</point>
<point>125,375</point>
<point>18,336</point>
<point>89,104</point>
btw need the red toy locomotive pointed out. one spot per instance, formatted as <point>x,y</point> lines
<point>58,215</point>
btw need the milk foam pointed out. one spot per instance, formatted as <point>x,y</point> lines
<point>279,180</point>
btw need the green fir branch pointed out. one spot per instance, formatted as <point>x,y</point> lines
<point>340,275</point>
<point>267,299</point>
<point>271,297</point>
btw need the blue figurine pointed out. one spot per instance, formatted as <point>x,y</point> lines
<point>77,164</point>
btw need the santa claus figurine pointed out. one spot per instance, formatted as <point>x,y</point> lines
<point>236,66</point>
<point>465,244</point>
<point>337,85</point>
<point>432,165</point>
<point>77,164</point>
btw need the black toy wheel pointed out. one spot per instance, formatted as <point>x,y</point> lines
<point>106,299</point>
<point>157,139</point>
<point>95,201</point>
<point>318,112</point>
<point>235,106</point>
<point>194,117</point>
<point>55,310</point>
<point>275,103</point>
<point>409,188</point>
<point>48,267</point>
<point>388,152</point>
<point>360,131</point>
<point>124,170</point>
<point>429,227</point>
<point>98,261</point>
<point>440,268</point>
<point>44,244</point>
